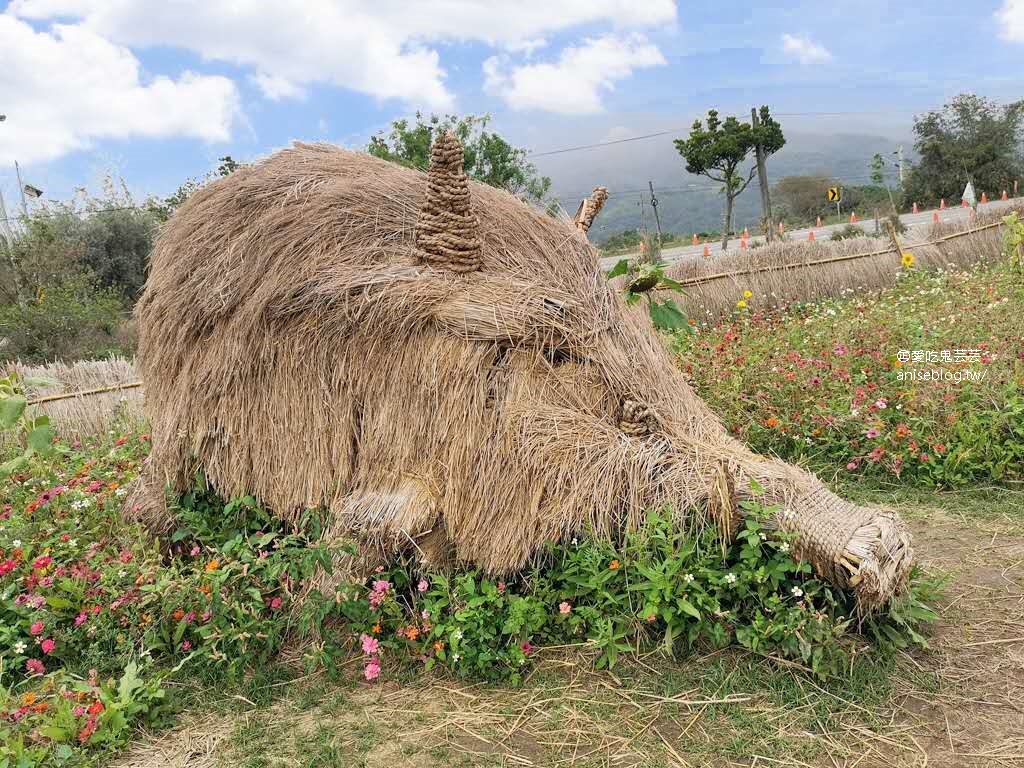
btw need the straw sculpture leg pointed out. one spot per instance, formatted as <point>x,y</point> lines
<point>445,371</point>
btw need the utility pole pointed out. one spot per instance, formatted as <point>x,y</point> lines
<point>899,159</point>
<point>762,181</point>
<point>21,189</point>
<point>657,218</point>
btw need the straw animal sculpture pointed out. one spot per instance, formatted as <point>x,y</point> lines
<point>303,339</point>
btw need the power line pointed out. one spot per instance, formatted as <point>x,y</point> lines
<point>642,137</point>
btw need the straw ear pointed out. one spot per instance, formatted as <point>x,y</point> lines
<point>447,231</point>
<point>589,209</point>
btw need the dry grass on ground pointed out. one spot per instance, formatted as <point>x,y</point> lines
<point>957,705</point>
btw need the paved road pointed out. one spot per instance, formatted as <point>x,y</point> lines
<point>916,223</point>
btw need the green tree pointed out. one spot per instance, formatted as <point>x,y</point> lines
<point>971,137</point>
<point>878,170</point>
<point>488,157</point>
<point>718,150</point>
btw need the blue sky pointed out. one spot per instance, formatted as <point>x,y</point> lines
<point>156,91</point>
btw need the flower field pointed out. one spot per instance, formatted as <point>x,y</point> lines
<point>921,383</point>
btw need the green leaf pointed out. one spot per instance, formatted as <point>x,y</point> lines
<point>40,439</point>
<point>687,607</point>
<point>667,316</point>
<point>53,732</point>
<point>11,409</point>
<point>58,603</point>
<point>621,268</point>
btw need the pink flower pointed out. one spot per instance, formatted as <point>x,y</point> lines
<point>186,645</point>
<point>501,587</point>
<point>422,586</point>
<point>275,603</point>
<point>125,556</point>
<point>194,551</point>
<point>78,711</point>
<point>372,671</point>
<point>36,628</point>
<point>81,618</point>
<point>370,644</point>
<point>526,647</point>
<point>42,562</point>
<point>564,608</point>
<point>380,585</point>
<point>47,645</point>
<point>35,667</point>
<point>851,466</point>
<point>872,433</point>
<point>880,404</point>
<point>839,350</point>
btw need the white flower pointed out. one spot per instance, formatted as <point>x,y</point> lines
<point>73,543</point>
<point>456,657</point>
<point>19,647</point>
<point>457,634</point>
<point>120,492</point>
<point>784,546</point>
<point>797,592</point>
<point>688,578</point>
<point>16,543</point>
<point>121,574</point>
<point>764,536</point>
<point>730,578</point>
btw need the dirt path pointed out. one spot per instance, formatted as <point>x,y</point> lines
<point>961,704</point>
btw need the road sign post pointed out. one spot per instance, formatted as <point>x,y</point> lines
<point>835,195</point>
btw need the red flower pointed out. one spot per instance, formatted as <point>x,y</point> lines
<point>42,562</point>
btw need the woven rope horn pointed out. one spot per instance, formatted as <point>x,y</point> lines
<point>447,232</point>
<point>589,208</point>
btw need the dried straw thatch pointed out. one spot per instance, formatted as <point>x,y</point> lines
<point>89,412</point>
<point>295,346</point>
<point>780,273</point>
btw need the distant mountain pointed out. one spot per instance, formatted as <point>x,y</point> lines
<point>690,203</point>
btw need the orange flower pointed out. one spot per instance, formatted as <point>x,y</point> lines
<point>412,633</point>
<point>613,565</point>
<point>212,566</point>
<point>438,646</point>
<point>113,486</point>
<point>376,629</point>
<point>28,699</point>
<point>771,422</point>
<point>178,615</point>
<point>205,589</point>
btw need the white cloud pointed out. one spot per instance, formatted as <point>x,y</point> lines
<point>65,88</point>
<point>1011,20</point>
<point>377,48</point>
<point>573,84</point>
<point>804,49</point>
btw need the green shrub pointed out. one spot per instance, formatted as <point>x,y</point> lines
<point>70,320</point>
<point>848,232</point>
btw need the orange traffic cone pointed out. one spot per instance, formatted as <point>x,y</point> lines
<point>696,240</point>
<point>853,217</point>
<point>984,198</point>
<point>707,251</point>
<point>935,217</point>
<point>942,204</point>
<point>818,224</point>
<point>1004,195</point>
<point>810,236</point>
<point>915,208</point>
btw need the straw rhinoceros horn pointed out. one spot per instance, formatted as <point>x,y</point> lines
<point>447,231</point>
